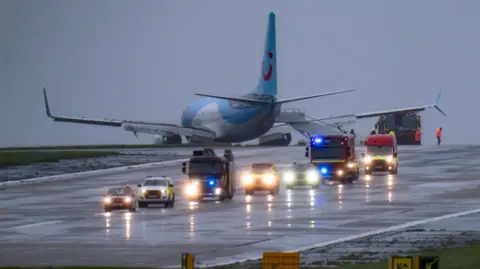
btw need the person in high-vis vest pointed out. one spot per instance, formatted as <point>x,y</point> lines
<point>439,135</point>
<point>373,132</point>
<point>391,132</point>
<point>418,135</point>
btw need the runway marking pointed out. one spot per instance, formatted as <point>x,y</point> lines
<point>257,256</point>
<point>36,224</point>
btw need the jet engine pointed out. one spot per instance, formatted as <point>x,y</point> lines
<point>171,139</point>
<point>275,139</point>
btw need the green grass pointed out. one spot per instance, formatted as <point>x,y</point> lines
<point>31,157</point>
<point>464,257</point>
<point>122,146</point>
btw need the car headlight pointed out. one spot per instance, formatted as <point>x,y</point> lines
<point>218,191</point>
<point>312,176</point>
<point>247,179</point>
<point>367,159</point>
<point>128,199</point>
<point>107,200</point>
<point>289,176</point>
<point>268,179</point>
<point>350,165</point>
<point>340,172</point>
<point>390,159</point>
<point>191,189</point>
<point>144,191</point>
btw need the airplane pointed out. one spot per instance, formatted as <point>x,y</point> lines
<point>216,118</point>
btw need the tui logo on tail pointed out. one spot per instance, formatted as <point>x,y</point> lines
<point>266,77</point>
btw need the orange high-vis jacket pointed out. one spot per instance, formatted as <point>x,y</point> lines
<point>439,132</point>
<point>417,135</point>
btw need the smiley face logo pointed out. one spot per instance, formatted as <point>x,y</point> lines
<point>268,75</point>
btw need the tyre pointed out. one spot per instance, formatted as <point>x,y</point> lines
<point>249,192</point>
<point>394,171</point>
<point>132,209</point>
<point>274,191</point>
<point>142,205</point>
<point>107,209</point>
<point>368,172</point>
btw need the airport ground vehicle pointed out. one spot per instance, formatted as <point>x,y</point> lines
<point>210,175</point>
<point>404,126</point>
<point>334,156</point>
<point>156,190</point>
<point>262,177</point>
<point>119,198</point>
<point>302,174</point>
<point>381,155</point>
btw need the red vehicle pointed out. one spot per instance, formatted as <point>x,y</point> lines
<point>119,198</point>
<point>382,154</point>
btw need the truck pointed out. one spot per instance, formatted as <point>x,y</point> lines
<point>404,125</point>
<point>210,175</point>
<point>381,154</point>
<point>335,157</point>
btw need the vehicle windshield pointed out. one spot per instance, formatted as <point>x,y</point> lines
<point>205,167</point>
<point>117,191</point>
<point>379,150</point>
<point>155,182</point>
<point>328,153</point>
<point>261,169</point>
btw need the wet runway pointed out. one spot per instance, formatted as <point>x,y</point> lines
<point>63,223</point>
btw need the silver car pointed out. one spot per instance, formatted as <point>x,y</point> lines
<point>156,190</point>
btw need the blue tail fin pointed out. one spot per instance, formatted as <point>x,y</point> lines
<point>267,84</point>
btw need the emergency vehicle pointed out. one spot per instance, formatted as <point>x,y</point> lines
<point>334,156</point>
<point>407,127</point>
<point>262,177</point>
<point>381,154</point>
<point>209,175</point>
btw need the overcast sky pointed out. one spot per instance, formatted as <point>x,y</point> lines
<point>121,59</point>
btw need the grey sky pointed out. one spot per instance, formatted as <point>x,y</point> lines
<point>120,59</point>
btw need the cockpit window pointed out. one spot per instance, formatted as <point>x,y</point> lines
<point>156,182</point>
<point>117,191</point>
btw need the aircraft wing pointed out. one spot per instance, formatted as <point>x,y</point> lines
<point>393,111</point>
<point>383,112</point>
<point>163,129</point>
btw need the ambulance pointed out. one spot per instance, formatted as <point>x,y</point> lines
<point>381,154</point>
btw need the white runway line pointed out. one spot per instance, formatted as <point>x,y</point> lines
<point>340,240</point>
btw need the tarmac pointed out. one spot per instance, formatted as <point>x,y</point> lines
<point>63,223</point>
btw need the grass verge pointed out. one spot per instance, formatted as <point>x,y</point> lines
<point>450,258</point>
<point>122,146</point>
<point>31,157</point>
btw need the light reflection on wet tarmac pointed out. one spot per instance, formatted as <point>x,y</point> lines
<point>292,219</point>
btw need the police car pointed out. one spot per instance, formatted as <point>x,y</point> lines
<point>302,174</point>
<point>156,190</point>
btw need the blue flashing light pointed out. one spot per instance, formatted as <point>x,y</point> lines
<point>211,183</point>
<point>324,171</point>
<point>317,140</point>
